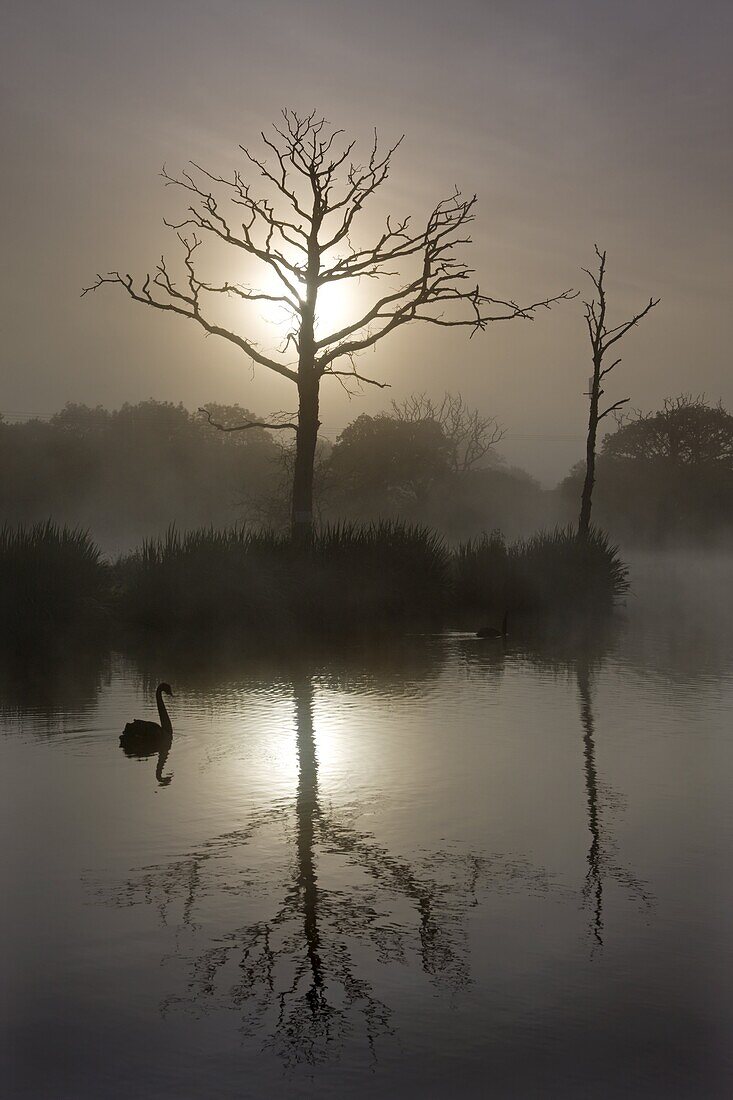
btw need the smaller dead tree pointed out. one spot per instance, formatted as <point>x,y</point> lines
<point>602,337</point>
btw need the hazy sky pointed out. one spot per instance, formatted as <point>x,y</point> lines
<point>574,121</point>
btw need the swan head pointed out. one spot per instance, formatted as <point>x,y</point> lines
<point>165,689</point>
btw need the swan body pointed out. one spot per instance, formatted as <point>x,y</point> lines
<point>492,631</point>
<point>140,734</point>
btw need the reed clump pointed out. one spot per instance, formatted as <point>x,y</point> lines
<point>50,576</point>
<point>380,572</point>
<point>350,574</point>
<point>552,572</point>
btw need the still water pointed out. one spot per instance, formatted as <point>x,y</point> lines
<point>433,866</point>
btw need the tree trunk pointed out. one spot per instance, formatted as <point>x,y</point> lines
<point>586,499</point>
<point>305,453</point>
<point>308,385</point>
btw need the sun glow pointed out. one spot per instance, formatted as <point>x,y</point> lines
<point>337,305</point>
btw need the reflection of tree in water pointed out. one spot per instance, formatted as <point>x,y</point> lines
<point>580,648</point>
<point>299,974</point>
<point>601,851</point>
<point>594,879</point>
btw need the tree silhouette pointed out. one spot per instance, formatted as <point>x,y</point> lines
<point>686,431</point>
<point>602,337</point>
<point>384,459</point>
<point>314,178</point>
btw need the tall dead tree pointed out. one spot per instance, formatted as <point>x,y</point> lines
<point>601,339</point>
<point>308,167</point>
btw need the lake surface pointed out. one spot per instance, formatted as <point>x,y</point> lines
<point>433,866</point>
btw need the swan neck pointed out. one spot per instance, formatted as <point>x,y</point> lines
<point>165,721</point>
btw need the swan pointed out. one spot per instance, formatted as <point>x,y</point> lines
<point>491,631</point>
<point>143,735</point>
<point>141,739</point>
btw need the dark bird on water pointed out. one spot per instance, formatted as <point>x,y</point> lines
<point>142,739</point>
<point>491,631</point>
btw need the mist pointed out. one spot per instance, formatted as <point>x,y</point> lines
<point>130,474</point>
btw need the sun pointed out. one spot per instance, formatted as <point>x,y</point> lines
<point>337,305</point>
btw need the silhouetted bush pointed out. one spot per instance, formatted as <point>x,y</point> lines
<point>552,571</point>
<point>50,575</point>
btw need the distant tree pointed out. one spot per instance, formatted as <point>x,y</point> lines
<point>666,474</point>
<point>469,434</point>
<point>602,337</point>
<point>389,459</point>
<point>308,248</point>
<point>686,431</point>
<point>432,461</point>
<point>81,419</point>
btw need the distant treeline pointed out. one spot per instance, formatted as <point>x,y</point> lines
<point>131,473</point>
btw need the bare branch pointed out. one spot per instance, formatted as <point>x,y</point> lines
<point>621,330</point>
<point>408,312</point>
<point>607,370</point>
<point>273,425</point>
<point>186,305</point>
<point>358,377</point>
<point>614,408</point>
<point>247,295</point>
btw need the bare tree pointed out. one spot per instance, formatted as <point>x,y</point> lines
<point>313,177</point>
<point>469,434</point>
<point>602,337</point>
